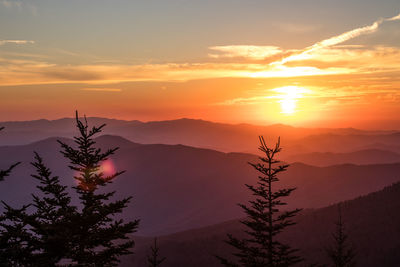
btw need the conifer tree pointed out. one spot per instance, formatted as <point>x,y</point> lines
<point>265,221</point>
<point>14,238</point>
<point>154,259</point>
<point>96,229</point>
<point>41,238</point>
<point>52,221</point>
<point>16,241</point>
<point>341,253</point>
<point>58,233</point>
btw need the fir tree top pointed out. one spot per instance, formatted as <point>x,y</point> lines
<point>265,220</point>
<point>341,253</point>
<point>154,259</point>
<point>100,238</point>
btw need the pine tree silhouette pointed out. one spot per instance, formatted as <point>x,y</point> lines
<point>43,237</point>
<point>264,219</point>
<point>52,221</point>
<point>58,233</point>
<point>96,229</point>
<point>153,259</point>
<point>16,241</point>
<point>341,253</point>
<point>13,236</point>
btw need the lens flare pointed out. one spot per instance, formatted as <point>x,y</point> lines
<point>107,167</point>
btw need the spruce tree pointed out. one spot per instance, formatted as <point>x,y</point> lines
<point>341,253</point>
<point>56,232</point>
<point>42,237</point>
<point>16,241</point>
<point>99,237</point>
<point>52,221</point>
<point>265,220</point>
<point>154,259</point>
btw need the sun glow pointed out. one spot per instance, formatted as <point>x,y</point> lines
<point>288,97</point>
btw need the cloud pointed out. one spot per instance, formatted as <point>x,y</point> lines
<point>271,95</point>
<point>327,61</point>
<point>342,60</point>
<point>279,56</point>
<point>245,101</point>
<point>335,40</point>
<point>18,42</point>
<point>345,36</point>
<point>245,51</point>
<point>394,18</point>
<point>324,96</point>
<point>298,28</point>
<point>359,58</point>
<point>11,4</point>
<point>19,72</point>
<point>327,57</point>
<point>102,89</point>
<point>20,5</point>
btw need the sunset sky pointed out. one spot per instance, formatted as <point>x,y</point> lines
<point>308,63</point>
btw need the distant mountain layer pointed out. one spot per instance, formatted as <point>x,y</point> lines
<point>205,134</point>
<point>361,157</point>
<point>177,187</point>
<point>372,223</point>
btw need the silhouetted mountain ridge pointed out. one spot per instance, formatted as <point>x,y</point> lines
<point>361,157</point>
<point>372,222</point>
<point>177,187</point>
<point>206,134</point>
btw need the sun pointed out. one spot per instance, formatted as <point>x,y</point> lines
<point>288,97</point>
<point>288,106</point>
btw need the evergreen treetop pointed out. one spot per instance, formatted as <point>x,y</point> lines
<point>58,233</point>
<point>154,259</point>
<point>341,253</point>
<point>52,221</point>
<point>265,220</point>
<point>100,238</point>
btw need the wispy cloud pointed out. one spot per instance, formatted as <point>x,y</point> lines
<point>298,28</point>
<point>18,42</point>
<point>394,18</point>
<point>271,95</point>
<point>99,89</point>
<point>326,57</point>
<point>335,40</point>
<point>279,56</point>
<point>19,72</point>
<point>10,4</point>
<point>20,5</point>
<point>245,51</point>
<point>324,96</point>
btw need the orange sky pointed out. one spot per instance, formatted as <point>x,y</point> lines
<point>347,78</point>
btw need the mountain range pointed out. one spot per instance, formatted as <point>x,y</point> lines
<point>187,176</point>
<point>177,187</point>
<point>217,136</point>
<point>371,223</point>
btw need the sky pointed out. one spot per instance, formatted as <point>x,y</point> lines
<point>306,63</point>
